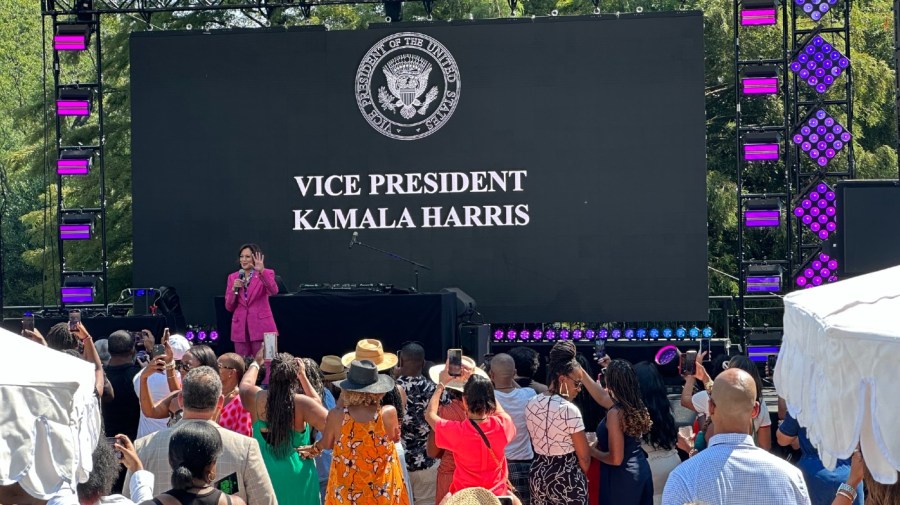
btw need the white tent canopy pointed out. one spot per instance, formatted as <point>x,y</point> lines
<point>49,417</point>
<point>839,368</point>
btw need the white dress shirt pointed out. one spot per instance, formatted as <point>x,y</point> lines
<point>734,471</point>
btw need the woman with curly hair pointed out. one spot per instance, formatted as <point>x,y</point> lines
<point>283,418</point>
<point>625,477</point>
<point>562,456</point>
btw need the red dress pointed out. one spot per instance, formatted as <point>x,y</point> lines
<point>235,418</point>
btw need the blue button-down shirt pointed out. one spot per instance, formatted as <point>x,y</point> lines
<point>733,471</point>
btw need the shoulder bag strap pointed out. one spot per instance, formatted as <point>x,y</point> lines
<point>509,485</point>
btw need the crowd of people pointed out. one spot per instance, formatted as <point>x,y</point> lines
<point>374,427</point>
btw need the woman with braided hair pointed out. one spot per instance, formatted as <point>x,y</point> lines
<point>562,454</point>
<point>283,418</point>
<point>625,477</point>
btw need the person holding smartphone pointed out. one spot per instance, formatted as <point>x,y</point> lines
<point>247,298</point>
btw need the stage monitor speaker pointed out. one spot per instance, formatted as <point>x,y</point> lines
<point>141,300</point>
<point>475,339</point>
<point>465,304</point>
<point>169,305</point>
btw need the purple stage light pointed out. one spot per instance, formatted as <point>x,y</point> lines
<point>73,102</point>
<point>762,146</point>
<point>819,269</point>
<point>616,334</point>
<point>73,167</point>
<point>214,335</point>
<point>524,335</point>
<point>759,80</point>
<point>762,212</point>
<point>821,137</point>
<point>75,231</point>
<point>537,334</point>
<point>510,334</point>
<point>550,334</point>
<point>564,334</point>
<point>578,334</point>
<point>629,333</point>
<point>498,334</point>
<point>190,335</point>
<point>817,211</point>
<point>818,64</point>
<point>603,334</point>
<point>201,335</point>
<point>815,9</point>
<point>763,279</point>
<point>758,12</point>
<point>77,294</point>
<point>71,37</point>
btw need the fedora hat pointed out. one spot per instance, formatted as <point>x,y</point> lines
<point>332,368</point>
<point>472,496</point>
<point>371,349</point>
<point>457,385</point>
<point>363,377</point>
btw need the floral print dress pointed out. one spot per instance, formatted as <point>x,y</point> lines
<point>364,467</point>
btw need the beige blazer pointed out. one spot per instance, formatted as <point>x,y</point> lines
<point>240,455</point>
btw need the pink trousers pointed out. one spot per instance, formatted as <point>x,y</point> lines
<point>248,348</point>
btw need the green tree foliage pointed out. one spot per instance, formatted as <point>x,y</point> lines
<point>28,201</point>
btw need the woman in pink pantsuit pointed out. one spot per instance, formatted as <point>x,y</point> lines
<point>247,297</point>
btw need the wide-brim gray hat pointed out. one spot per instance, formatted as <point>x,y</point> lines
<point>363,377</point>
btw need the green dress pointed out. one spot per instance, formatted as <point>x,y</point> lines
<point>294,479</point>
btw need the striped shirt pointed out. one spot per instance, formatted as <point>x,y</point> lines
<point>733,471</point>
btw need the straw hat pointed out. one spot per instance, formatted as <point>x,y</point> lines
<point>472,496</point>
<point>332,368</point>
<point>457,385</point>
<point>371,350</point>
<point>363,377</point>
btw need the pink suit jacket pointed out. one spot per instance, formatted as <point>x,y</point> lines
<point>252,315</point>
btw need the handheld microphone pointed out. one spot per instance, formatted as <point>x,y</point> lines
<point>236,290</point>
<point>353,239</point>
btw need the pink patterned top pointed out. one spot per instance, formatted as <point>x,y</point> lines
<point>235,418</point>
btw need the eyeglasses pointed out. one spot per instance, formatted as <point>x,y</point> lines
<point>184,366</point>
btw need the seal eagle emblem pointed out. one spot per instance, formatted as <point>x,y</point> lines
<point>407,86</point>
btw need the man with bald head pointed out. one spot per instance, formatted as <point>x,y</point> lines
<point>733,470</point>
<point>513,400</point>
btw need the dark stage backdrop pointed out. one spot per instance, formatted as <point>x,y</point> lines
<point>554,169</point>
<point>869,231</point>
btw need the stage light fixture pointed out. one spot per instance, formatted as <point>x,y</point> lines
<point>758,12</point>
<point>214,335</point>
<point>654,333</point>
<point>71,37</point>
<point>590,334</point>
<point>819,269</point>
<point>821,137</point>
<point>498,334</point>
<point>759,80</point>
<point>817,210</point>
<point>629,333</point>
<point>815,9</point>
<point>708,332</point>
<point>641,333</point>
<point>762,146</point>
<point>76,226</point>
<point>667,333</point>
<point>74,161</point>
<point>537,334</point>
<point>74,102</point>
<point>201,335</point>
<point>550,334</point>
<point>763,279</point>
<point>680,333</point>
<point>524,335</point>
<point>78,289</point>
<point>616,334</point>
<point>761,353</point>
<point>510,334</point>
<point>603,334</point>
<point>762,213</point>
<point>578,334</point>
<point>564,334</point>
<point>818,64</point>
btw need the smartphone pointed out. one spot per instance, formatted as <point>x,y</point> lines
<point>454,360</point>
<point>112,443</point>
<point>28,321</point>
<point>158,350</point>
<point>599,348</point>
<point>689,363</point>
<point>138,338</point>
<point>270,341</point>
<point>228,485</point>
<point>74,319</point>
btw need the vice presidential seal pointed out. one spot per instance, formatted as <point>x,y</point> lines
<point>407,86</point>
